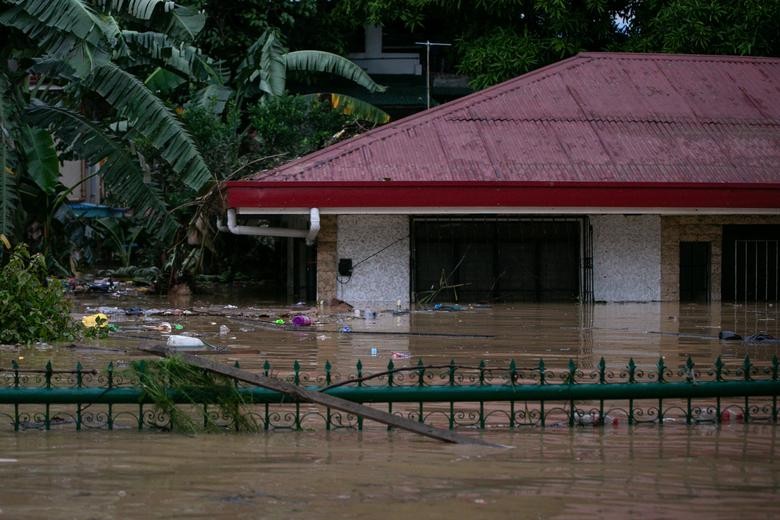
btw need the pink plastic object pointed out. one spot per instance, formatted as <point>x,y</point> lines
<point>301,320</point>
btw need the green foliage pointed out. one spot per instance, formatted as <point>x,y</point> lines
<point>218,137</point>
<point>232,27</point>
<point>294,125</point>
<point>31,309</point>
<point>160,378</point>
<point>746,27</point>
<point>499,56</point>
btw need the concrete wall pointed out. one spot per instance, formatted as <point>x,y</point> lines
<point>626,258</point>
<point>382,279</point>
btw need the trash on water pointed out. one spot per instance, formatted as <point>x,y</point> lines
<point>231,306</point>
<point>301,320</point>
<point>134,311</point>
<point>110,310</point>
<point>401,355</point>
<point>181,341</point>
<point>727,335</point>
<point>92,321</point>
<point>101,285</point>
<point>369,314</point>
<point>280,321</point>
<point>163,327</point>
<point>178,326</point>
<point>346,329</point>
<point>451,308</point>
<point>374,352</point>
<point>224,330</point>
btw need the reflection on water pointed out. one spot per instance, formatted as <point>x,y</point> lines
<point>671,471</point>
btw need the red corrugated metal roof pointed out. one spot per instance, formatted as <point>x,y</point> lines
<point>596,117</point>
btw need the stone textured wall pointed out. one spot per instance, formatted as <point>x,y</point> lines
<point>698,228</point>
<point>626,258</point>
<point>382,279</point>
<point>327,260</point>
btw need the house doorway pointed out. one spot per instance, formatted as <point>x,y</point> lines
<point>497,259</point>
<point>695,271</point>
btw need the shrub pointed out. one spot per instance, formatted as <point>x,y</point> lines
<point>30,308</point>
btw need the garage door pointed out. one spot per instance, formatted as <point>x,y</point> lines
<point>496,259</point>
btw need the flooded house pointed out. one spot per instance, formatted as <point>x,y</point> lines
<point>604,177</point>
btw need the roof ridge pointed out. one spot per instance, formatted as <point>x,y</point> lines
<point>622,119</point>
<point>654,56</point>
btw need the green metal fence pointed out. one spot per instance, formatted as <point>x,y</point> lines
<point>452,396</point>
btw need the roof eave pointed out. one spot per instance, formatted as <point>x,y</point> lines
<point>503,196</point>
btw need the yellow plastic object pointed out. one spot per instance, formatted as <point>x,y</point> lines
<point>92,321</point>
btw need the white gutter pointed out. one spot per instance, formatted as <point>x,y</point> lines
<point>263,231</point>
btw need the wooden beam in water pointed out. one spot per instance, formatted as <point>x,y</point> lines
<point>301,394</point>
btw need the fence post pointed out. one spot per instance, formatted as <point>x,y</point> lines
<point>541,383</point>
<point>482,403</point>
<point>296,382</point>
<point>661,368</point>
<point>775,367</point>
<point>359,370</point>
<point>420,383</point>
<point>267,414</point>
<point>15,367</point>
<point>79,382</point>
<point>390,382</point>
<point>572,372</point>
<point>718,378</point>
<point>47,417</point>
<point>747,366</point>
<point>110,416</point>
<point>452,383</point>
<point>602,381</point>
<point>631,379</point>
<point>690,376</point>
<point>328,368</point>
<point>512,381</point>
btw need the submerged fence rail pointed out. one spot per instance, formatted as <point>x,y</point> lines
<point>454,396</point>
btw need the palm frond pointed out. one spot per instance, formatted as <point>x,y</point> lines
<point>321,61</point>
<point>8,160</point>
<point>41,159</point>
<point>163,81</point>
<point>263,68</point>
<point>121,173</point>
<point>213,98</point>
<point>66,29</point>
<point>185,59</point>
<point>148,116</point>
<point>182,23</point>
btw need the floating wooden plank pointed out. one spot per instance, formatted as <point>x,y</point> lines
<point>301,394</point>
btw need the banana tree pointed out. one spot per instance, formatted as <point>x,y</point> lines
<point>73,47</point>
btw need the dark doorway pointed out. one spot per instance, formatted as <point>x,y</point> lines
<point>751,263</point>
<point>694,271</point>
<point>497,259</point>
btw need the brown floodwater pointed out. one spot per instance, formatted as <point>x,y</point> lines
<point>670,471</point>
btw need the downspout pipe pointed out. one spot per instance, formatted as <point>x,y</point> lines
<point>309,234</point>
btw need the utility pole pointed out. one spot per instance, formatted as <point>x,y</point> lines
<point>428,45</point>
